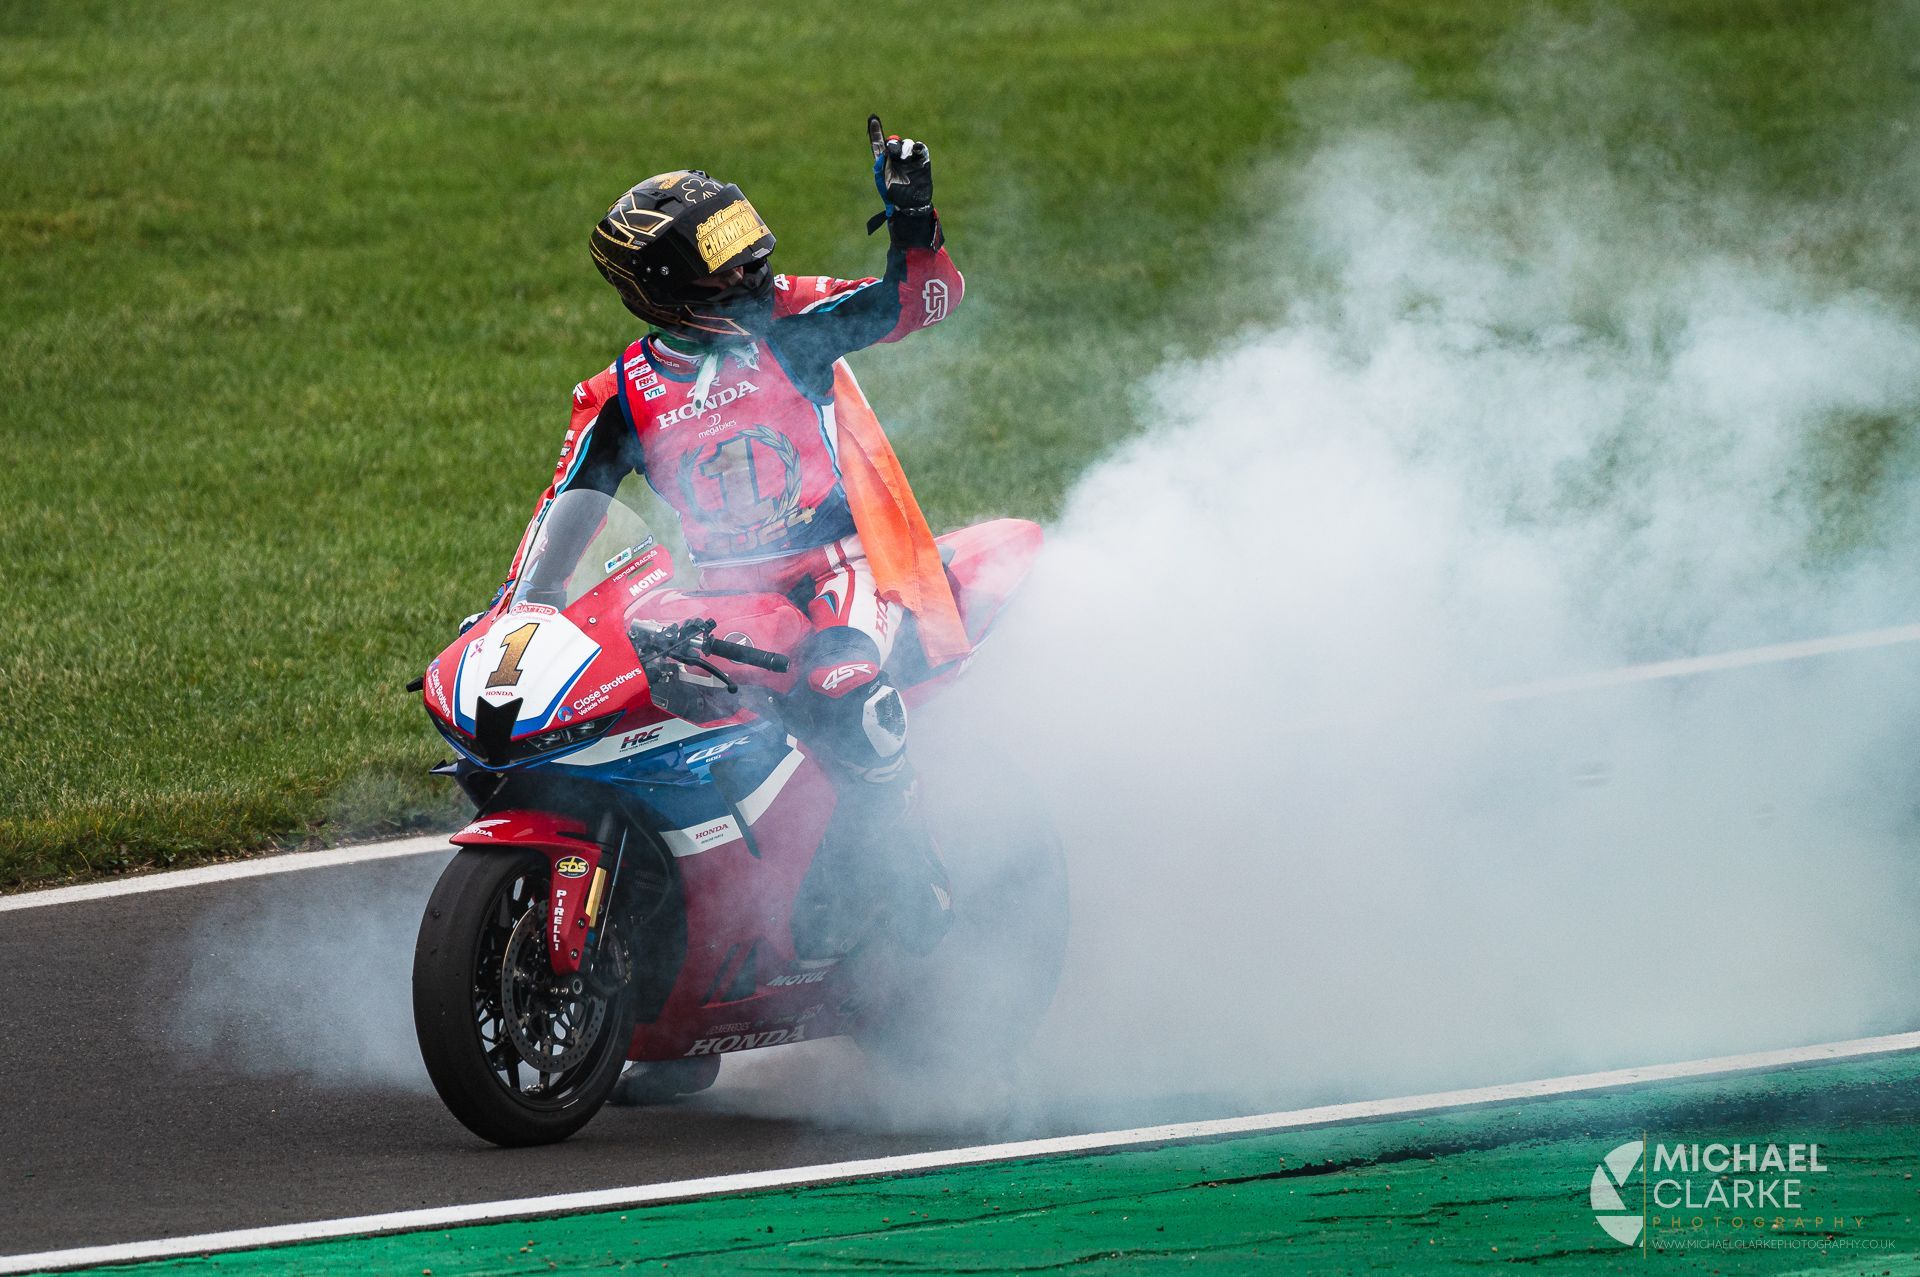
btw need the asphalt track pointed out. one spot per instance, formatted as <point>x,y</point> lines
<point>142,1103</point>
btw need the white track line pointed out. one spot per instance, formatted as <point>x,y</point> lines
<point>1652,671</point>
<point>833,1172</point>
<point>227,872</point>
<point>1772,654</point>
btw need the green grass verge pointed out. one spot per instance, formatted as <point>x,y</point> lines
<point>1505,1187</point>
<point>294,296</point>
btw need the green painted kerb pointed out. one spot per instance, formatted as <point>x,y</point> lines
<point>1467,1190</point>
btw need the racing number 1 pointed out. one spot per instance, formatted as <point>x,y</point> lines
<point>732,467</point>
<point>514,648</point>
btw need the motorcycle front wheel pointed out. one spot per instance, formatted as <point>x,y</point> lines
<point>521,1056</point>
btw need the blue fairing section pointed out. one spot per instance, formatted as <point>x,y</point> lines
<point>676,780</point>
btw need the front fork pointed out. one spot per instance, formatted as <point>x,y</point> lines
<point>578,892</point>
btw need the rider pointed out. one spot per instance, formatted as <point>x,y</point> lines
<point>738,409</point>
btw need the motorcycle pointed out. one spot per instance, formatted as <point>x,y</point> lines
<point>651,872</point>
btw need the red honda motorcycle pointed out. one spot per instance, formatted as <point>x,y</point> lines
<point>650,873</point>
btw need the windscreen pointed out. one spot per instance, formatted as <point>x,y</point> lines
<point>583,538</point>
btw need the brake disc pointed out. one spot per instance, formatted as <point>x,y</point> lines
<point>550,1025</point>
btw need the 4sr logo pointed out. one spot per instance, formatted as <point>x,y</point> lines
<point>854,673</point>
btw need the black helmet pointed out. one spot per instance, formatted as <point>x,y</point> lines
<point>663,243</point>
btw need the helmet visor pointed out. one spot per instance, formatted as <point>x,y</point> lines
<point>714,257</point>
<point>735,283</point>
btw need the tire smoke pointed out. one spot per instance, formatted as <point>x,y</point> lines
<point>308,975</point>
<point>1537,405</point>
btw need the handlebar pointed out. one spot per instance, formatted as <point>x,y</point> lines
<point>686,642</point>
<point>744,655</point>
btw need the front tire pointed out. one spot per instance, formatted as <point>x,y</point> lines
<point>518,1055</point>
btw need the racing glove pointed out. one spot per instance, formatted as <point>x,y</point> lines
<point>903,174</point>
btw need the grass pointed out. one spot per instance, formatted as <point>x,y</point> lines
<point>294,297</point>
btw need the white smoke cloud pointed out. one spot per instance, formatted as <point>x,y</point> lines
<point>1532,410</point>
<point>305,974</point>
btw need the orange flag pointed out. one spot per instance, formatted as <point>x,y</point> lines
<point>899,544</point>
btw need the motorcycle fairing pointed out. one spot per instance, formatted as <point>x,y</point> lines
<point>575,883</point>
<point>681,785</point>
<point>739,893</point>
<point>739,805</point>
<point>639,737</point>
<point>531,653</point>
<point>770,622</point>
<point>986,563</point>
<point>741,809</point>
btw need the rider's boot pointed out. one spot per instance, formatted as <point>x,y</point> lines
<point>878,865</point>
<point>657,1081</point>
<point>889,829</point>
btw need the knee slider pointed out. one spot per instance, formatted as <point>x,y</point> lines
<point>883,720</point>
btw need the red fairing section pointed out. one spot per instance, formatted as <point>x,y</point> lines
<point>524,829</point>
<point>766,621</point>
<point>932,288</point>
<point>987,562</point>
<point>740,931</point>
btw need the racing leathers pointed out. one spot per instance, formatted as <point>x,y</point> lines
<point>742,442</point>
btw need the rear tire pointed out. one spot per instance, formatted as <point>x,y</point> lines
<point>516,1060</point>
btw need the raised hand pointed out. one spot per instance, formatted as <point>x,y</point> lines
<point>902,173</point>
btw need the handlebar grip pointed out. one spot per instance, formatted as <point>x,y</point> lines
<point>741,654</point>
